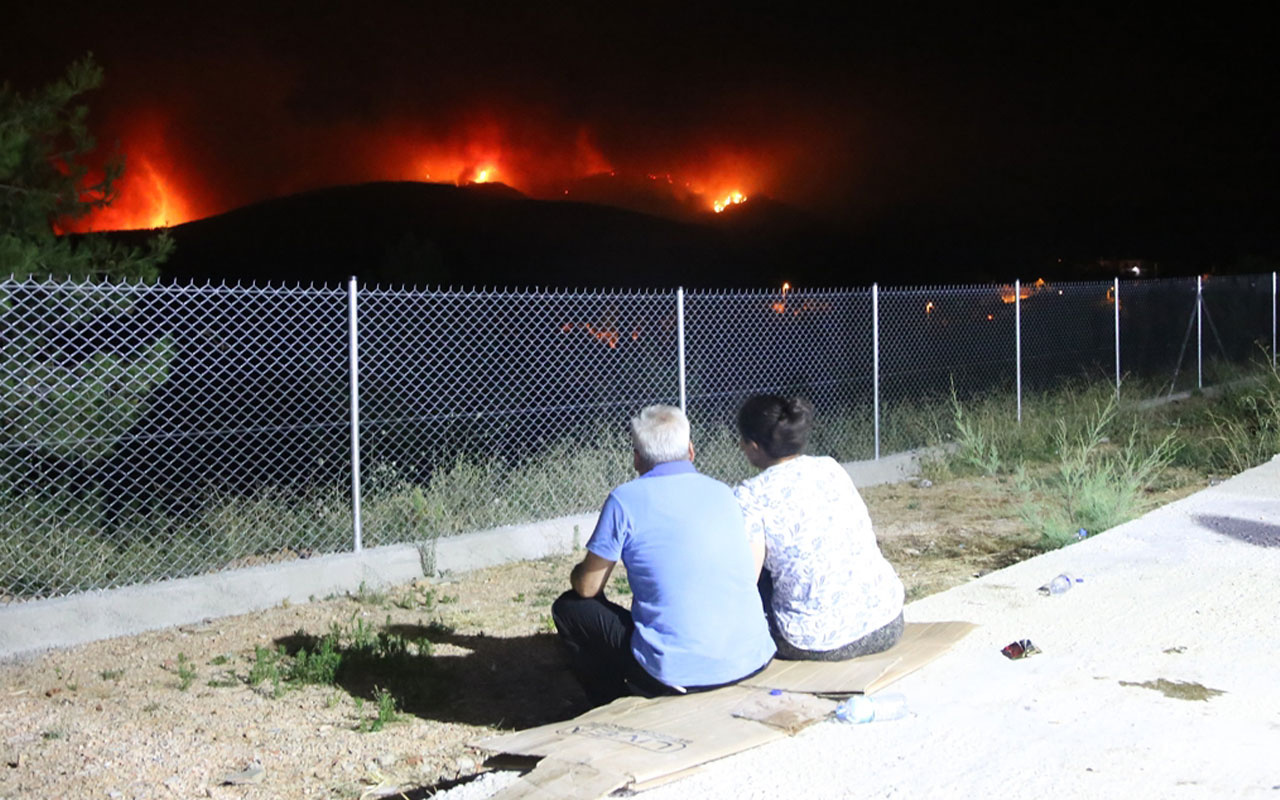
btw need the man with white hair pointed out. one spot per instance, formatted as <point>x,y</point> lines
<point>696,621</point>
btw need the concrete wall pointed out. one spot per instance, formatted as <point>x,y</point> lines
<point>65,621</point>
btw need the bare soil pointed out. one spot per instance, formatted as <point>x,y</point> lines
<point>112,719</point>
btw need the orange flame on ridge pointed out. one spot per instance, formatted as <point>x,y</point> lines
<point>158,189</point>
<point>731,199</point>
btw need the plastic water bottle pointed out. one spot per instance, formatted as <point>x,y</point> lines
<point>1061,584</point>
<point>866,708</point>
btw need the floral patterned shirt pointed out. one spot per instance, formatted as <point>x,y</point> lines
<point>831,584</point>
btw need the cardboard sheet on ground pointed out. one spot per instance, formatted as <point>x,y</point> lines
<point>921,643</point>
<point>641,742</point>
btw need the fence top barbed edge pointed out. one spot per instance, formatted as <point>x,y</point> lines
<point>240,284</point>
<point>507,291</point>
<point>174,286</point>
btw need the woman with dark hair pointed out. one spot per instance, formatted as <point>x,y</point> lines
<point>828,592</point>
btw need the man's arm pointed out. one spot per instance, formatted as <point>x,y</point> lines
<point>591,576</point>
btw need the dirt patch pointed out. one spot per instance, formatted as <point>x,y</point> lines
<point>1179,690</point>
<point>113,719</point>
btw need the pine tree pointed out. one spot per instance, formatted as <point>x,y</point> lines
<point>45,145</point>
<point>72,385</point>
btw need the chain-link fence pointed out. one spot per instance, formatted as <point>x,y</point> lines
<point>816,344</point>
<point>480,409</point>
<point>151,432</point>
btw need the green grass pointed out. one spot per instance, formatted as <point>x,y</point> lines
<point>1094,484</point>
<point>57,542</point>
<point>359,658</point>
<point>1246,423</point>
<point>1085,459</point>
<point>384,714</point>
<point>186,673</point>
<point>369,596</point>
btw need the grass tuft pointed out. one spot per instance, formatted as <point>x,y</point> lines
<point>1094,485</point>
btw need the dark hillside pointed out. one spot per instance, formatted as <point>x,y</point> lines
<point>434,234</point>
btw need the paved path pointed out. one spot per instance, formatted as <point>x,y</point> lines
<point>1188,594</point>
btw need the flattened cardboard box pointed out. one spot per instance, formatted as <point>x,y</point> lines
<point>641,742</point>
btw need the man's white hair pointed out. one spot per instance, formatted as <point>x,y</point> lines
<point>660,434</point>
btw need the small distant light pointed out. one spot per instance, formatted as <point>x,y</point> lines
<point>1135,270</point>
<point>989,316</point>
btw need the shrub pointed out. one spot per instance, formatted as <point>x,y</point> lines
<point>1095,485</point>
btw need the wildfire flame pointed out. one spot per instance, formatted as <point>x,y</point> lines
<point>150,194</point>
<point>607,333</point>
<point>608,336</point>
<point>731,199</point>
<point>781,306</point>
<point>1007,295</point>
<point>804,307</point>
<point>162,187</point>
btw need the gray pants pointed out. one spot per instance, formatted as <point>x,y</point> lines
<point>877,641</point>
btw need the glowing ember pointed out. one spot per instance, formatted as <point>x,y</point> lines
<point>607,336</point>
<point>731,199</point>
<point>781,307</point>
<point>1007,296</point>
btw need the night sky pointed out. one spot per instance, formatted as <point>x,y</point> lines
<point>932,136</point>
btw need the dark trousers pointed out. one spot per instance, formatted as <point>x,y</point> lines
<point>597,634</point>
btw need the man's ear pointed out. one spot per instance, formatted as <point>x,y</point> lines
<point>690,449</point>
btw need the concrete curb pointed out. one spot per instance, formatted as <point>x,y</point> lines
<point>30,627</point>
<point>38,625</point>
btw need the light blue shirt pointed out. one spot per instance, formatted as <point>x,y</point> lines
<point>697,612</point>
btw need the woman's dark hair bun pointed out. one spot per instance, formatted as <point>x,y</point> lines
<point>798,408</point>
<point>779,425</point>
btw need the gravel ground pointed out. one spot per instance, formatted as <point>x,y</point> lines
<point>111,720</point>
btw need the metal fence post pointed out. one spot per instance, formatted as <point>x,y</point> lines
<point>353,343</point>
<point>875,360</point>
<point>680,342</point>
<point>1017,340</point>
<point>1115,295</point>
<point>1199,332</point>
